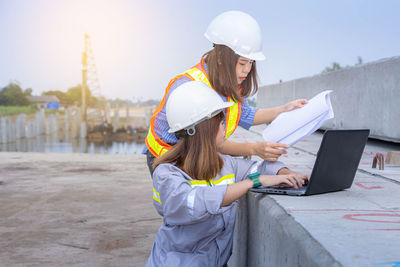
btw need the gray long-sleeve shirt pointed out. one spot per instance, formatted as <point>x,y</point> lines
<point>197,231</point>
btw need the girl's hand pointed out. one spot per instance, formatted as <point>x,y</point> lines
<point>287,180</point>
<point>269,151</point>
<point>299,103</point>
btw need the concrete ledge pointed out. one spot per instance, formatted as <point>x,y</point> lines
<point>275,238</point>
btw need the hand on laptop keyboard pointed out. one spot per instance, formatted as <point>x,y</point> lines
<point>286,180</point>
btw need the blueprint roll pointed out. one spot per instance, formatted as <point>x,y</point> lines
<point>290,127</point>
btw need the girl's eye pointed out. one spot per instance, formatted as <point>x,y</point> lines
<point>244,63</point>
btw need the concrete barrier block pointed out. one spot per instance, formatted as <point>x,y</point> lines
<point>23,125</point>
<point>66,124</point>
<point>364,96</point>
<point>11,131</point>
<point>116,118</point>
<point>3,130</point>
<point>18,128</point>
<point>48,125</point>
<point>30,129</point>
<point>76,124</point>
<point>83,132</point>
<point>40,124</point>
<point>107,113</point>
<point>57,123</point>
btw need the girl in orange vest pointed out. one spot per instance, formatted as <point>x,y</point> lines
<point>229,69</point>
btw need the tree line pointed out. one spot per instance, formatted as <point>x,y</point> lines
<point>14,95</point>
<point>336,66</point>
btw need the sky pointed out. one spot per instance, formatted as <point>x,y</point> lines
<point>139,46</point>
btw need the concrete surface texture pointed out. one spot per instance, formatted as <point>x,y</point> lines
<point>364,96</point>
<point>75,210</point>
<point>355,227</point>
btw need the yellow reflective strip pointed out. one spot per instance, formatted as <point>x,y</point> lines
<point>231,125</point>
<point>229,176</point>
<point>198,75</point>
<point>155,191</point>
<point>156,199</point>
<point>198,183</point>
<point>159,149</point>
<point>227,179</point>
<point>156,196</point>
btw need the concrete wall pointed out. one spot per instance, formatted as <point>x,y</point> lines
<point>266,235</point>
<point>365,96</point>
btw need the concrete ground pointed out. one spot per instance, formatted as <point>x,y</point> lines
<point>75,210</point>
<point>96,210</point>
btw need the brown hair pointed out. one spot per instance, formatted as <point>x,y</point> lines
<point>197,154</point>
<point>221,63</point>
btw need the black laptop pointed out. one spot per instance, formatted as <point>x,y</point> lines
<point>335,167</point>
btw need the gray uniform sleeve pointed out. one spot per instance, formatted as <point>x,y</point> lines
<point>243,167</point>
<point>270,168</point>
<point>183,204</point>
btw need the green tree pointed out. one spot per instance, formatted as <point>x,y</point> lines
<point>60,95</point>
<point>74,95</point>
<point>335,66</point>
<point>13,95</point>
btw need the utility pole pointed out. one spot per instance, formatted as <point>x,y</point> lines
<point>90,81</point>
<point>84,79</point>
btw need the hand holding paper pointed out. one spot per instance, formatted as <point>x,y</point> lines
<point>290,127</point>
<point>299,103</point>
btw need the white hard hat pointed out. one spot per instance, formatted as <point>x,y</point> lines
<point>191,103</point>
<point>239,31</point>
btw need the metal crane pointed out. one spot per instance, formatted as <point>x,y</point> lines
<point>89,75</point>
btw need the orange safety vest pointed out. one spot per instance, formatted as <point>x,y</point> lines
<point>156,146</point>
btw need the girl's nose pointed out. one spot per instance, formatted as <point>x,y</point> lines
<point>247,68</point>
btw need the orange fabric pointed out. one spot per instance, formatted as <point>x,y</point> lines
<point>156,145</point>
<point>152,121</point>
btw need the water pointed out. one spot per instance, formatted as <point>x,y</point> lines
<point>52,144</point>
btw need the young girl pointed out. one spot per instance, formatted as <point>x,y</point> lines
<point>195,187</point>
<point>230,69</point>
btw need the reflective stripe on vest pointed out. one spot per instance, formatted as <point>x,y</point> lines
<point>227,179</point>
<point>156,146</point>
<point>233,112</point>
<point>156,196</point>
<point>233,116</point>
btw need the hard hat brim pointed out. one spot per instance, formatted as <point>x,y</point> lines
<point>258,56</point>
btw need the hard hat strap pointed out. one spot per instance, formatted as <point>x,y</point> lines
<point>191,131</point>
<point>180,134</point>
<point>183,133</point>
